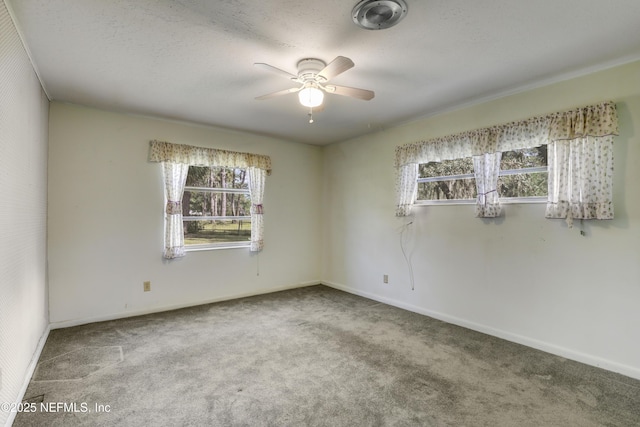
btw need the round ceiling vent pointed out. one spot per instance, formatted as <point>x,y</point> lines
<point>378,14</point>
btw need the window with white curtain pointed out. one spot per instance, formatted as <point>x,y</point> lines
<point>216,208</point>
<point>449,181</point>
<point>522,178</point>
<point>244,176</point>
<point>579,168</point>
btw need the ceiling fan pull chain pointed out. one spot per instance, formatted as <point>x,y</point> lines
<point>310,114</point>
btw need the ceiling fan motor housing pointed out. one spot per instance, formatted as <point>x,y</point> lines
<point>309,68</point>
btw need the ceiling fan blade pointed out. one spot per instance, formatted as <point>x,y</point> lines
<point>350,91</point>
<point>335,67</point>
<point>278,93</point>
<point>278,71</point>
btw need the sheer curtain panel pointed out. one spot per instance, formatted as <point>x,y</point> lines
<point>487,169</point>
<point>406,188</point>
<point>175,177</point>
<point>256,191</point>
<point>581,179</point>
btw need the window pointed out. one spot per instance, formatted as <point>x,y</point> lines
<point>577,166</point>
<point>447,180</point>
<point>216,208</point>
<point>227,189</point>
<point>523,177</point>
<point>523,173</point>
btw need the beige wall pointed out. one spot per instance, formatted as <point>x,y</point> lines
<point>522,277</point>
<point>23,214</point>
<point>106,219</point>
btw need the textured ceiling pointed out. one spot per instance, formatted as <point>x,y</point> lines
<point>193,59</point>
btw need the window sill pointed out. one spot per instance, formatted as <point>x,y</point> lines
<point>504,201</point>
<point>198,248</point>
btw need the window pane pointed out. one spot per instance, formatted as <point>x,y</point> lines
<point>216,203</point>
<point>204,203</point>
<point>523,185</point>
<point>524,158</point>
<point>200,176</point>
<point>529,184</point>
<point>240,179</point>
<point>198,232</point>
<point>446,168</point>
<point>459,189</point>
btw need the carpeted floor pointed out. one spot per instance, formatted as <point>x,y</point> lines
<point>311,357</point>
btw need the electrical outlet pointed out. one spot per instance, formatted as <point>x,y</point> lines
<point>385,278</point>
<point>147,286</point>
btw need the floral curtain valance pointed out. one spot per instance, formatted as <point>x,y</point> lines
<point>595,120</point>
<point>161,151</point>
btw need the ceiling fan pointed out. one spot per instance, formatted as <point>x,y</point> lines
<point>313,75</point>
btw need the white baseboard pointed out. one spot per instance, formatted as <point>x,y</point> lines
<point>587,359</point>
<point>30,370</point>
<point>122,315</point>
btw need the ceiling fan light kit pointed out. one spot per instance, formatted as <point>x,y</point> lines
<point>311,96</point>
<point>378,14</point>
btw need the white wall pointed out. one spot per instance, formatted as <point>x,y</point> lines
<point>23,212</point>
<point>522,277</point>
<point>106,219</point>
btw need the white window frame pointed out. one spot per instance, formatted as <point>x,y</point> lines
<point>503,200</point>
<point>221,245</point>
